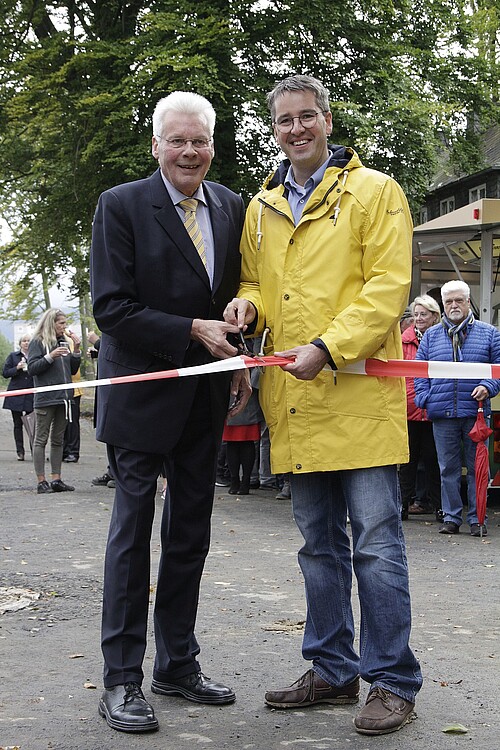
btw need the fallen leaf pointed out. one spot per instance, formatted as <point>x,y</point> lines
<point>89,686</point>
<point>455,729</point>
<point>76,656</point>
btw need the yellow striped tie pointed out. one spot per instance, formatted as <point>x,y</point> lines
<point>189,206</point>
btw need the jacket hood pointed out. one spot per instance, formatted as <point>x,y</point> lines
<point>340,157</point>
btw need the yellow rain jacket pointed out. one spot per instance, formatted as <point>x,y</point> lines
<point>341,275</point>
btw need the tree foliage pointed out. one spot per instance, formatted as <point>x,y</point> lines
<point>79,81</point>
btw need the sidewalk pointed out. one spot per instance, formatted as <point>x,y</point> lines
<point>249,627</point>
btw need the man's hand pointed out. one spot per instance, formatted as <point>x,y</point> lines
<point>308,361</point>
<point>239,312</point>
<point>480,393</point>
<point>241,390</point>
<point>212,334</point>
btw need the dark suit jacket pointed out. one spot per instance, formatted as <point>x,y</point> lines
<point>148,283</point>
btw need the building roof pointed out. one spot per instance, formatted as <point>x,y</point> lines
<point>489,158</point>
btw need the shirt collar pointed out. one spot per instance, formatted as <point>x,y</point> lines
<point>177,196</point>
<point>313,181</point>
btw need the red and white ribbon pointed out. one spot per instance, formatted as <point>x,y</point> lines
<point>417,369</point>
<point>374,367</point>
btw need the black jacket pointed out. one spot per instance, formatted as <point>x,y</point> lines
<point>19,379</point>
<point>148,283</point>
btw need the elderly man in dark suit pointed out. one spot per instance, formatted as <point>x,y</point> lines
<point>163,267</point>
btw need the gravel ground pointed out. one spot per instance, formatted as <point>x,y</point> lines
<point>250,625</point>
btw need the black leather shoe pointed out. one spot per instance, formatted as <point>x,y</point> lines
<point>125,708</point>
<point>195,687</point>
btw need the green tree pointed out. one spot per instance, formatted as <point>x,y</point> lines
<point>78,81</point>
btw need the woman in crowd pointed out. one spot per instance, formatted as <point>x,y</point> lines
<point>426,313</point>
<point>241,434</point>
<point>51,362</point>
<point>16,368</point>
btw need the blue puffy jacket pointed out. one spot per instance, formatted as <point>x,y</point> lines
<point>451,398</point>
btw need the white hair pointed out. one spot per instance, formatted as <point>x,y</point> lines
<point>184,102</point>
<point>455,286</point>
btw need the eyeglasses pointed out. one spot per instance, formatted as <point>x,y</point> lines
<point>197,143</point>
<point>307,120</point>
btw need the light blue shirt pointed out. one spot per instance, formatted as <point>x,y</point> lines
<point>298,195</point>
<point>202,217</point>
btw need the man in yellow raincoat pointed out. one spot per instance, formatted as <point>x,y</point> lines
<point>326,262</point>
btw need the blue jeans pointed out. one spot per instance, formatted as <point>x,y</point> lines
<point>321,502</point>
<point>450,435</point>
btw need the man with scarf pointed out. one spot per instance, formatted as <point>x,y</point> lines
<point>452,404</point>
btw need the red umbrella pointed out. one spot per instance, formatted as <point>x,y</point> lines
<point>479,434</point>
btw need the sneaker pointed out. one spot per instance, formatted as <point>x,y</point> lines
<point>449,527</point>
<point>311,689</point>
<point>477,529</point>
<point>70,459</point>
<point>59,486</point>
<point>222,482</point>
<point>44,487</point>
<point>383,712</point>
<point>111,484</point>
<point>102,481</point>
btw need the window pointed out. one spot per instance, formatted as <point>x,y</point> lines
<point>446,206</point>
<point>420,217</point>
<point>475,194</point>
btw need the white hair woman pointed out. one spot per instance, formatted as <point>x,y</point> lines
<point>426,313</point>
<point>51,362</point>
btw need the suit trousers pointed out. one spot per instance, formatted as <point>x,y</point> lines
<point>185,537</point>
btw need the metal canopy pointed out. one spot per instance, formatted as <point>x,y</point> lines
<point>465,237</point>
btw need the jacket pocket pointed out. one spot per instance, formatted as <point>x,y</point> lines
<point>360,395</point>
<point>128,359</point>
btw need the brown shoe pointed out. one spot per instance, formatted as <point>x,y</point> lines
<point>311,689</point>
<point>383,712</point>
<point>419,510</point>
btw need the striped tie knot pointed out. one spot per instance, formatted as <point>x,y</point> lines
<point>189,206</point>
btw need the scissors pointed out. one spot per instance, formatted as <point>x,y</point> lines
<point>242,346</point>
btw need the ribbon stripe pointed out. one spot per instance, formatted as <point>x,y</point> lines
<point>373,367</point>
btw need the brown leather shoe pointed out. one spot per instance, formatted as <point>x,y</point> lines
<point>419,510</point>
<point>383,712</point>
<point>311,689</point>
